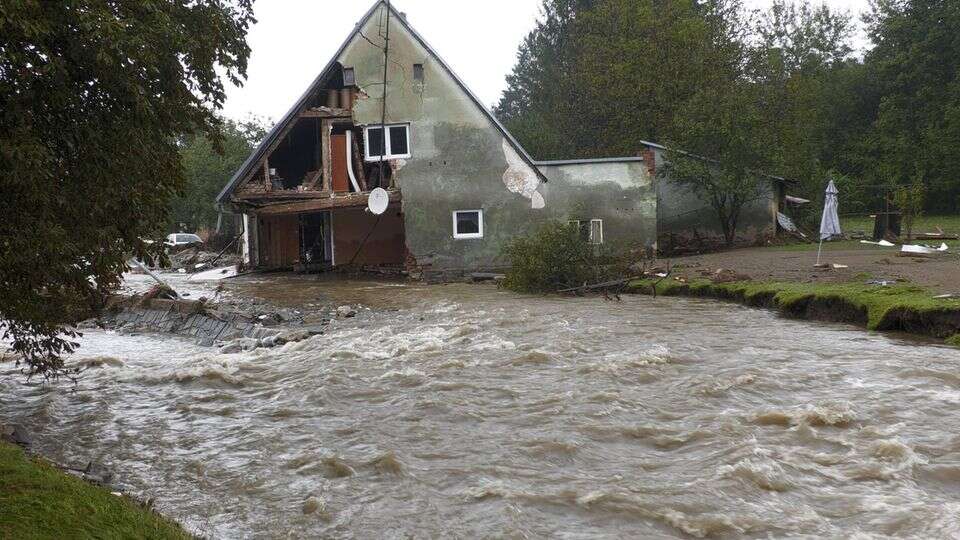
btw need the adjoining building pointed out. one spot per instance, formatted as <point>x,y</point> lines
<point>460,186</point>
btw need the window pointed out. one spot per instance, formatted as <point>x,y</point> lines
<point>349,77</point>
<point>396,146</point>
<point>468,224</point>
<point>590,231</point>
<point>418,72</point>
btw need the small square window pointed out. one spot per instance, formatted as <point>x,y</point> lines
<point>396,145</point>
<point>418,72</point>
<point>349,78</point>
<point>596,231</point>
<point>590,231</point>
<point>468,224</point>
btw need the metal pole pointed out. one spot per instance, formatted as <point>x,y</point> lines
<point>383,110</point>
<point>143,267</point>
<point>818,251</point>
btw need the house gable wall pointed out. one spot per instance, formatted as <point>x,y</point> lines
<point>459,157</point>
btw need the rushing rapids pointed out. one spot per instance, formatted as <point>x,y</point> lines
<point>463,411</point>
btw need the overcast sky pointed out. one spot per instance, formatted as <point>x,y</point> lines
<point>294,39</point>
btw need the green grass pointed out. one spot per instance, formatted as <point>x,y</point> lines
<point>39,501</point>
<point>864,224</point>
<point>877,302</point>
<point>949,224</point>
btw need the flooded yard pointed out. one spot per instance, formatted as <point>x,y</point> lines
<point>464,411</point>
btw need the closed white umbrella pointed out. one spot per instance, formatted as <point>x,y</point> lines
<point>830,222</point>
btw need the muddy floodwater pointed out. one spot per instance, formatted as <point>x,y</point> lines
<point>463,411</point>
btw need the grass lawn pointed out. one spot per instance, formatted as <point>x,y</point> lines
<point>949,224</point>
<point>877,303</point>
<point>39,501</point>
<point>864,224</point>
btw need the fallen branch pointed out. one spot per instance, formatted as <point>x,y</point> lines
<point>596,286</point>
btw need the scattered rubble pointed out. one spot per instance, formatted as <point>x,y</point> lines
<point>724,275</point>
<point>194,259</point>
<point>345,312</point>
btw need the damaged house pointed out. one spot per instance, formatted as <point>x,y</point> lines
<point>459,186</point>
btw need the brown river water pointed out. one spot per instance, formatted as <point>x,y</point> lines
<point>461,411</point>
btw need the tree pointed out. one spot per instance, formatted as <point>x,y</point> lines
<point>800,51</point>
<point>726,135</point>
<point>207,169</point>
<point>916,59</point>
<point>556,256</point>
<point>539,105</point>
<point>93,97</point>
<point>909,200</point>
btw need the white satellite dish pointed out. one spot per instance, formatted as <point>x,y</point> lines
<point>378,201</point>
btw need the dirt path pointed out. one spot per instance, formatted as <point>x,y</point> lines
<point>796,263</point>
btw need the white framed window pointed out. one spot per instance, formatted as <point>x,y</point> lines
<point>590,230</point>
<point>396,145</point>
<point>467,224</point>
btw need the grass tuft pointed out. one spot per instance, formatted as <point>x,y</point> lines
<point>38,500</point>
<point>883,308</point>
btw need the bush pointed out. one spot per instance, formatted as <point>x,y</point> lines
<point>556,257</point>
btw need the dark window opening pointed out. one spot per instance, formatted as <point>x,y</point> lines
<point>297,159</point>
<point>375,146</point>
<point>398,140</point>
<point>349,78</point>
<point>418,72</point>
<point>468,224</point>
<point>396,145</point>
<point>372,172</point>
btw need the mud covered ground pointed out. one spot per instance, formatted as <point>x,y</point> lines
<point>940,273</point>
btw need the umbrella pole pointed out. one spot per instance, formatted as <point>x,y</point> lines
<point>819,249</point>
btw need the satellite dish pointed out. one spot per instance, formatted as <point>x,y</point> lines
<point>378,201</point>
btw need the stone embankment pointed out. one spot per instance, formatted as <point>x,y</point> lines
<point>232,327</point>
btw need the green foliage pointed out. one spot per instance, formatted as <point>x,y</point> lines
<point>909,200</point>
<point>39,501</point>
<point>93,98</point>
<point>555,257</point>
<point>207,169</point>
<point>596,77</point>
<point>916,59</point>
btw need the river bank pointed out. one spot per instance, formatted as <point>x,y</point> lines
<point>881,307</point>
<point>38,500</point>
<point>468,411</point>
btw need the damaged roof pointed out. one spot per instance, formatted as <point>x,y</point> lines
<point>319,81</point>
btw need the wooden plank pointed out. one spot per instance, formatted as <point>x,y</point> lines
<point>279,240</point>
<point>338,151</point>
<point>325,127</point>
<point>311,205</point>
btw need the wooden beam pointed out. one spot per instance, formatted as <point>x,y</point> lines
<point>326,125</point>
<point>313,205</point>
<point>326,112</point>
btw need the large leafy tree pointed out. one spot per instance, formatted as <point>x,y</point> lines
<point>727,136</point>
<point>540,105</point>
<point>916,60</point>
<point>800,57</point>
<point>208,167</point>
<point>93,97</point>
